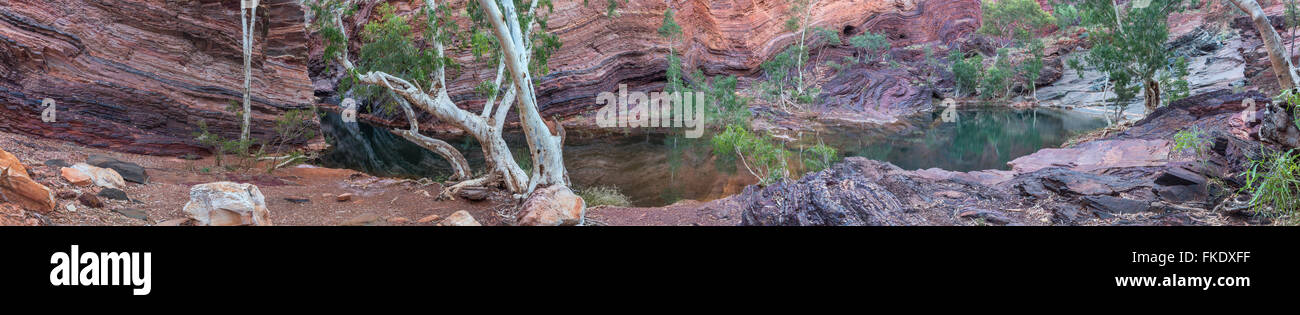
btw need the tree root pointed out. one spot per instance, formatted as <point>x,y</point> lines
<point>450,192</point>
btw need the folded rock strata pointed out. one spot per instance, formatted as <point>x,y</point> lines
<point>138,75</point>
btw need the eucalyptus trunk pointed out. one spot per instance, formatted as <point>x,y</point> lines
<point>1278,123</point>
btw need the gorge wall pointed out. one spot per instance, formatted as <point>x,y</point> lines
<point>138,75</point>
<point>600,52</point>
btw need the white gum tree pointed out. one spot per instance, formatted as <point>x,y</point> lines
<point>1279,125</point>
<point>248,20</point>
<point>510,41</point>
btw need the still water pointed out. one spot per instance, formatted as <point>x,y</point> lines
<point>659,169</point>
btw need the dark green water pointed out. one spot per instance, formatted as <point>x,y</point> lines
<point>657,169</point>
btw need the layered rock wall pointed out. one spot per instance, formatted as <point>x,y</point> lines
<point>138,75</point>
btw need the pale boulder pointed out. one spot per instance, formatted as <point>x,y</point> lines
<point>552,206</point>
<point>460,218</point>
<point>102,177</point>
<point>227,203</point>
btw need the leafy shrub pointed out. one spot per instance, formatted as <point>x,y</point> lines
<point>819,157</point>
<point>603,196</point>
<point>967,71</point>
<point>1274,183</point>
<point>759,155</point>
<point>1006,18</point>
<point>873,46</point>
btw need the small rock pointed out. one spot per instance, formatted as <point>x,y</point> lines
<point>344,197</point>
<point>102,177</point>
<point>297,199</point>
<point>227,203</point>
<point>474,193</point>
<point>460,218</point>
<point>552,206</point>
<point>177,222</point>
<point>90,201</point>
<point>430,218</point>
<point>129,171</point>
<point>57,163</point>
<point>71,207</point>
<point>113,193</point>
<point>133,213</point>
<point>1114,205</point>
<point>75,177</point>
<point>364,219</point>
<point>399,220</point>
<point>988,215</point>
<point>66,194</point>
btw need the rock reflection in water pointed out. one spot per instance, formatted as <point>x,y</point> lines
<point>658,169</point>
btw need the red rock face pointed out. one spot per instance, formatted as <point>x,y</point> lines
<point>721,37</point>
<point>138,75</point>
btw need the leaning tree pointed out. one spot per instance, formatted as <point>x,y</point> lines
<point>412,75</point>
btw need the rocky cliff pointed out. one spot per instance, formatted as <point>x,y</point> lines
<point>138,75</point>
<point>721,37</point>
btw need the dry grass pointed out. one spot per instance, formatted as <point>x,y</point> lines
<point>1098,134</point>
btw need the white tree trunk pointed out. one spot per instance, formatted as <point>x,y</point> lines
<point>249,22</point>
<point>1282,67</point>
<point>544,147</point>
<point>1278,125</point>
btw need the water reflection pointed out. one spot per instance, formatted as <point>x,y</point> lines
<point>658,169</point>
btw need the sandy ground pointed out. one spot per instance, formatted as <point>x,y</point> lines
<point>376,201</point>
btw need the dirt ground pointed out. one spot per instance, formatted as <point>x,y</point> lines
<point>375,201</point>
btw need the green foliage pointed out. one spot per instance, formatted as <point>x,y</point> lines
<point>1132,52</point>
<point>1032,68</point>
<point>1274,183</point>
<point>1174,81</point>
<point>1065,15</point>
<point>783,80</point>
<point>730,107</point>
<point>874,46</point>
<point>819,157</point>
<point>389,48</point>
<point>829,37</point>
<point>1191,140</point>
<point>997,80</point>
<point>797,10</point>
<point>762,157</point>
<point>603,196</point>
<point>968,72</point>
<point>220,146</point>
<point>1005,18</point>
<point>670,29</point>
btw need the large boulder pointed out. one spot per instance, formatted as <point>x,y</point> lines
<point>131,172</point>
<point>17,186</point>
<point>102,177</point>
<point>227,203</point>
<point>552,206</point>
<point>460,218</point>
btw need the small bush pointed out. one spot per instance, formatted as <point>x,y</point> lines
<point>819,157</point>
<point>760,156</point>
<point>604,196</point>
<point>1274,183</point>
